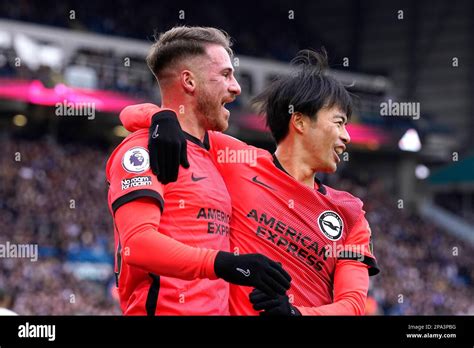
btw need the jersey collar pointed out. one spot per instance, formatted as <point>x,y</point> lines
<point>204,144</point>
<point>321,188</point>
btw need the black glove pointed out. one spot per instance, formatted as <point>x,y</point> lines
<point>272,305</point>
<point>167,146</point>
<point>254,270</point>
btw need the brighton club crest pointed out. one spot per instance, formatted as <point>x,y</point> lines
<point>330,223</point>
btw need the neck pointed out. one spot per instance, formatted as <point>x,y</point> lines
<point>185,111</point>
<point>292,158</point>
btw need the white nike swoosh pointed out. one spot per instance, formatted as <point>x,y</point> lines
<point>155,133</point>
<point>246,273</point>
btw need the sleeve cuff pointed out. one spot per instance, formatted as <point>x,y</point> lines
<point>210,270</point>
<point>138,194</point>
<point>367,260</point>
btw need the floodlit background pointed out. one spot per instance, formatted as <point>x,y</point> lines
<point>414,169</point>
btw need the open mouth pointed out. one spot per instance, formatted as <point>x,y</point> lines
<point>227,100</point>
<point>224,109</point>
<point>338,151</point>
<point>224,102</point>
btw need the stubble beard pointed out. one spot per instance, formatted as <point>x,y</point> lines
<point>210,109</point>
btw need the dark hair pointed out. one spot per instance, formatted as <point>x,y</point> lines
<point>182,42</point>
<point>306,90</point>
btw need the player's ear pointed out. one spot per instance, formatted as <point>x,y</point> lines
<point>188,80</point>
<point>298,122</point>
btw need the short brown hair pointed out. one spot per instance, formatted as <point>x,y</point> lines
<point>182,42</point>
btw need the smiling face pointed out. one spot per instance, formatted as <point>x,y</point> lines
<point>326,139</point>
<point>215,86</point>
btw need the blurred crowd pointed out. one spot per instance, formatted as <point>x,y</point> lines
<point>54,195</point>
<point>424,269</point>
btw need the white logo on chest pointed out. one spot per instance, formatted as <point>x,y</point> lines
<point>330,223</point>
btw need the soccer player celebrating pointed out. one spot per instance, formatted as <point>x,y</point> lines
<point>280,209</point>
<point>172,238</point>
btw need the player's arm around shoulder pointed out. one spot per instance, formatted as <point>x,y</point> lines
<point>135,117</point>
<point>136,202</point>
<point>230,151</point>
